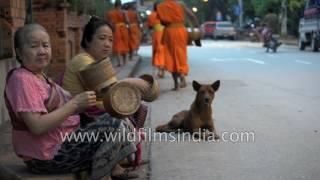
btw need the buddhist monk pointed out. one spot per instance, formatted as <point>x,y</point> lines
<point>134,30</point>
<point>119,20</point>
<point>153,22</point>
<point>175,38</point>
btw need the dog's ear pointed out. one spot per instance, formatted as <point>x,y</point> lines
<point>196,86</point>
<point>216,85</point>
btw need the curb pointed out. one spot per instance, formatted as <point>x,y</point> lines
<point>289,42</point>
<point>144,171</point>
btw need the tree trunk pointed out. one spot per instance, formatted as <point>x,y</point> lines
<point>284,17</point>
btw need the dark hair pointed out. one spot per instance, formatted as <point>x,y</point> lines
<point>21,34</point>
<point>125,7</point>
<point>90,28</point>
<point>155,5</point>
<point>117,3</point>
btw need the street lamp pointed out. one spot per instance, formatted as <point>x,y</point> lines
<point>148,12</point>
<point>195,9</point>
<point>205,0</point>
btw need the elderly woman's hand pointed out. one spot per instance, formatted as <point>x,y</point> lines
<point>85,100</point>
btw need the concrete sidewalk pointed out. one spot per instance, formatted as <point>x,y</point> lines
<point>12,167</point>
<point>289,41</point>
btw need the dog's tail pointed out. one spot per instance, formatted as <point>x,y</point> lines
<point>163,128</point>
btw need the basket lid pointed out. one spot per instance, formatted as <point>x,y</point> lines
<point>122,98</point>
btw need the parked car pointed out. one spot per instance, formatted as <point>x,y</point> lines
<point>309,26</point>
<point>207,29</point>
<point>225,29</point>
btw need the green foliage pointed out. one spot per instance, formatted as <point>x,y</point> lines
<point>295,5</point>
<point>294,14</point>
<point>260,8</point>
<point>96,7</point>
<point>272,21</point>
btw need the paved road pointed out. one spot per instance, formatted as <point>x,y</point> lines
<point>275,98</point>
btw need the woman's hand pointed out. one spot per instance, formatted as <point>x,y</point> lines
<point>84,100</point>
<point>41,123</point>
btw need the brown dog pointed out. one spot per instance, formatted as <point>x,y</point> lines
<point>199,117</point>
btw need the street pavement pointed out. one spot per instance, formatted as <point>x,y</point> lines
<point>266,111</point>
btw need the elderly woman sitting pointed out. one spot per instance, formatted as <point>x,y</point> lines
<point>42,114</point>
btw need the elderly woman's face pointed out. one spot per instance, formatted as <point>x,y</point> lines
<point>101,45</point>
<point>36,51</point>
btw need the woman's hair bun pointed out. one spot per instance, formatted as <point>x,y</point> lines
<point>94,18</point>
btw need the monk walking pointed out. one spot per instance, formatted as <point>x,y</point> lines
<point>153,22</point>
<point>175,39</point>
<point>134,30</point>
<point>119,20</point>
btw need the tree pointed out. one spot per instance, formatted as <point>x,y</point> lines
<point>96,7</point>
<point>284,16</point>
<point>288,11</point>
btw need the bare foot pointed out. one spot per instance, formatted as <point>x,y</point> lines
<point>183,84</point>
<point>160,75</point>
<point>117,170</point>
<point>120,173</point>
<point>176,87</point>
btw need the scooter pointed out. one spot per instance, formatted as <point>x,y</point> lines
<point>272,44</point>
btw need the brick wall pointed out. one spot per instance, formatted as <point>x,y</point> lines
<point>64,28</point>
<point>13,11</point>
<point>12,16</point>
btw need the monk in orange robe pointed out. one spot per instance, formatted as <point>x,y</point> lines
<point>175,39</point>
<point>134,30</point>
<point>121,34</point>
<point>153,22</point>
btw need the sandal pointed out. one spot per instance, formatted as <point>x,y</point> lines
<point>125,175</point>
<point>144,161</point>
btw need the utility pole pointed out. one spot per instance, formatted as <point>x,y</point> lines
<point>284,17</point>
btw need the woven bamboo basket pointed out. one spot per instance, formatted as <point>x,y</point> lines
<point>122,99</point>
<point>143,86</point>
<point>154,92</point>
<point>98,75</point>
